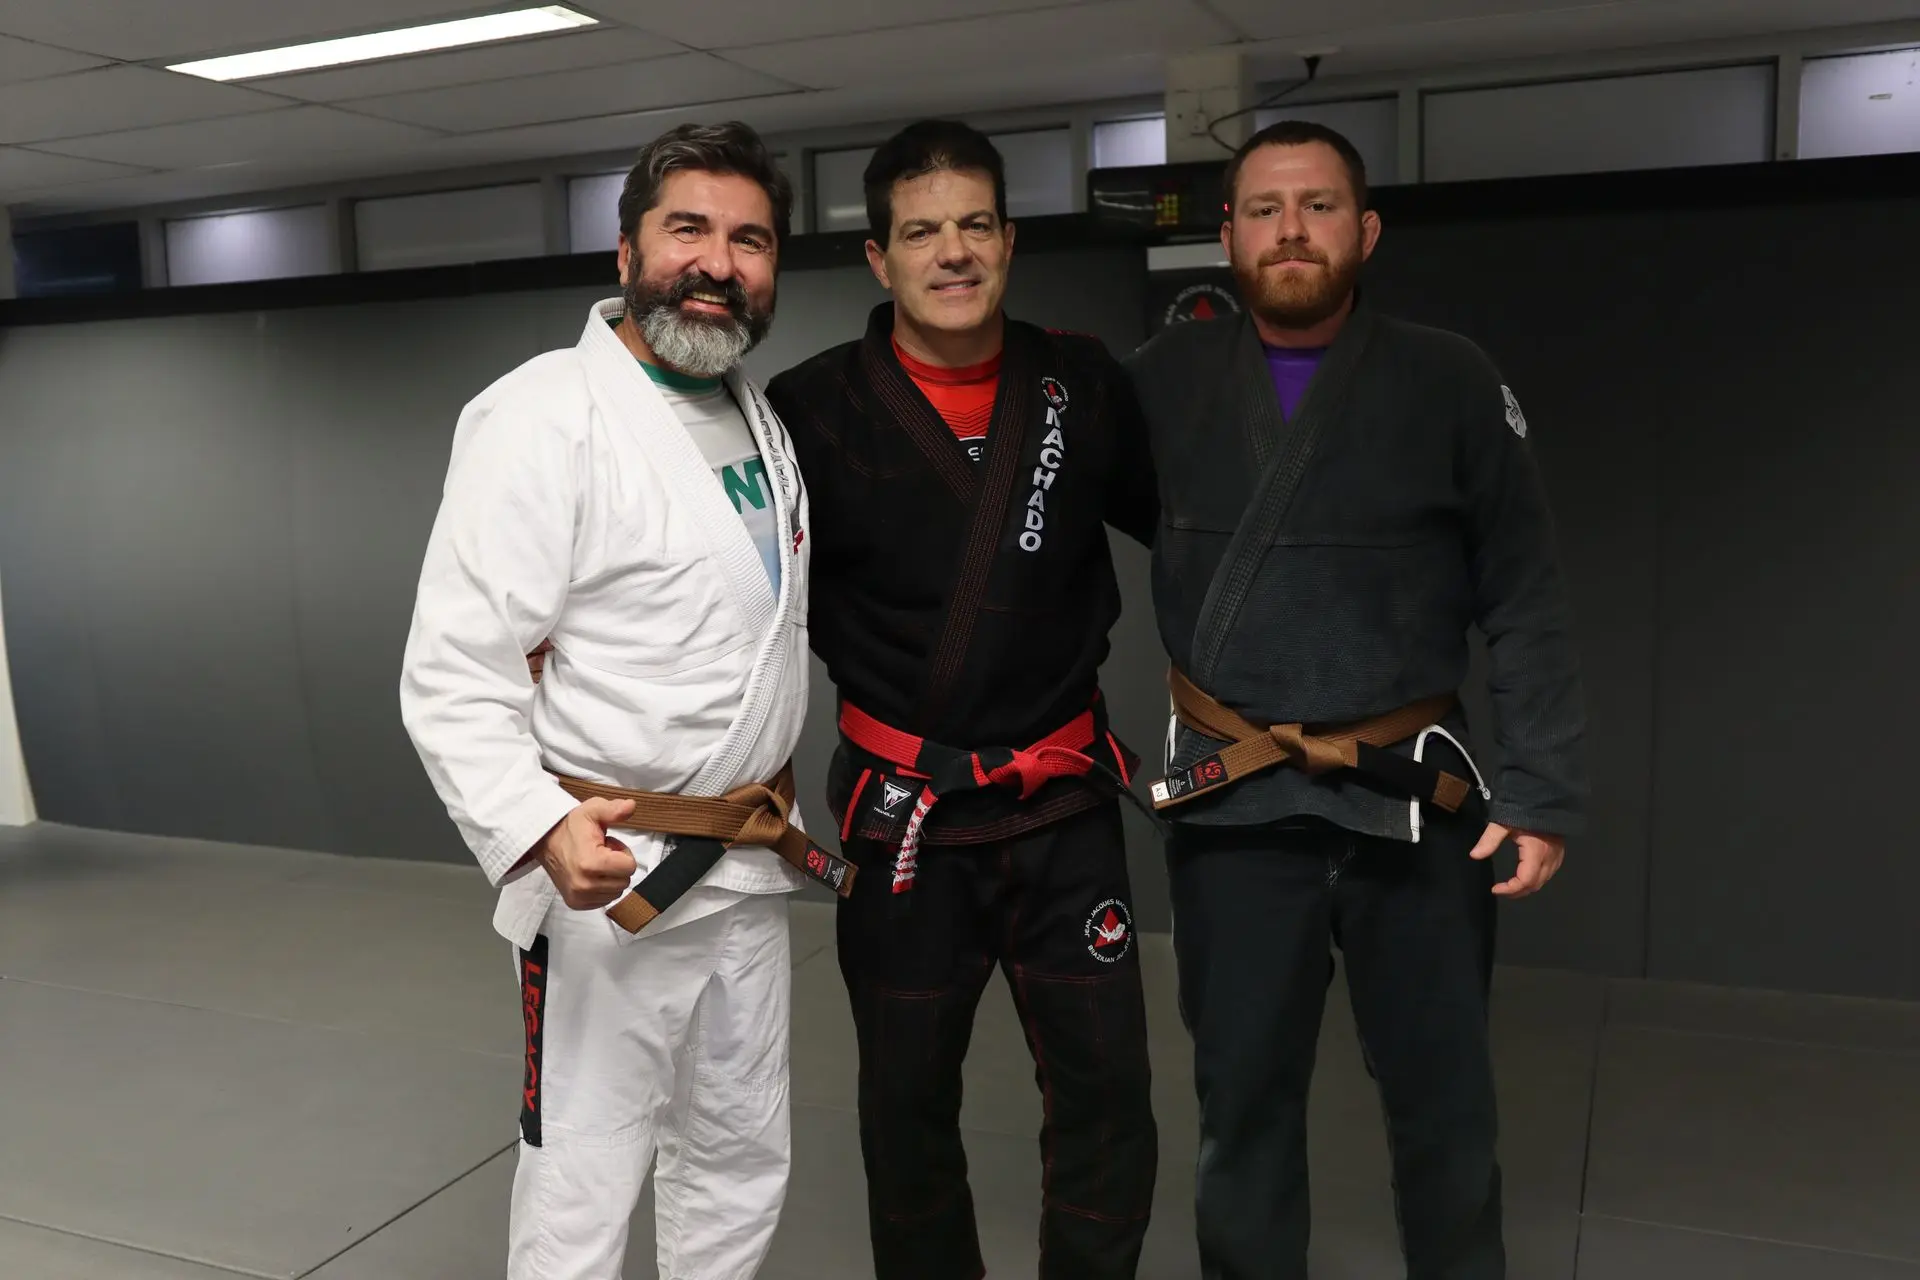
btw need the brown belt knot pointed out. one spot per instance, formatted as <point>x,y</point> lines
<point>1254,748</point>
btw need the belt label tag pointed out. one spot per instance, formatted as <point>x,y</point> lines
<point>1202,775</point>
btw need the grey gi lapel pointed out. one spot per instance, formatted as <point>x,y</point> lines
<point>1282,451</point>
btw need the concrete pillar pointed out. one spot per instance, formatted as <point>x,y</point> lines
<point>1203,88</point>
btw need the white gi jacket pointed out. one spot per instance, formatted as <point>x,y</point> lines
<point>577,509</point>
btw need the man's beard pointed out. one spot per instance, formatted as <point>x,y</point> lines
<point>1296,299</point>
<point>700,346</point>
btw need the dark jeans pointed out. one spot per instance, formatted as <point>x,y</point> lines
<point>1052,909</point>
<point>1255,913</point>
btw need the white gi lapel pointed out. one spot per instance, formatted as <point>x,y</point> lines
<point>640,407</point>
<point>777,638</point>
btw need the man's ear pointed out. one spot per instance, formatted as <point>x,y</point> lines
<point>1369,233</point>
<point>877,263</point>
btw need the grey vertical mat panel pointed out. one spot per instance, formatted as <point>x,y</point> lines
<point>195,640</point>
<point>380,391</point>
<point>46,543</point>
<point>1569,330</point>
<point>1790,603</point>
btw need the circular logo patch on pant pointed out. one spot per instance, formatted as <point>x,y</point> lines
<point>1109,931</point>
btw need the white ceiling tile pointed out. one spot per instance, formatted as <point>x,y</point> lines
<point>27,170</point>
<point>569,95</point>
<point>268,135</point>
<point>593,47</point>
<point>738,22</point>
<point>1044,41</point>
<point>24,60</point>
<point>140,30</point>
<point>115,98</point>
<point>883,107</point>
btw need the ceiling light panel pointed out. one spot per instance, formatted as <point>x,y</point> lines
<point>427,38</point>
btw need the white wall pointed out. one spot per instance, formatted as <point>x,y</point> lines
<point>16,797</point>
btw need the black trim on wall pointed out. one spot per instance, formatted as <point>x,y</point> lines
<point>1115,220</point>
<point>561,271</point>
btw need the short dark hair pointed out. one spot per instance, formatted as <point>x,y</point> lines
<point>731,147</point>
<point>1297,133</point>
<point>930,146</point>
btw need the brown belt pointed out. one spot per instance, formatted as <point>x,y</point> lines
<point>706,827</point>
<point>1254,748</point>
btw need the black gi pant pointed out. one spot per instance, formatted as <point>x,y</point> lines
<point>1254,913</point>
<point>1052,909</point>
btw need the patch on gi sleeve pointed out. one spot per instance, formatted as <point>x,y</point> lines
<point>1515,419</point>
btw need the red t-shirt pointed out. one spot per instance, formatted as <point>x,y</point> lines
<point>963,396</point>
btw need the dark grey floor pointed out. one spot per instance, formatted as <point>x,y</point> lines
<point>220,1060</point>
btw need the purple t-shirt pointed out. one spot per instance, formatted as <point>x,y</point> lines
<point>1292,368</point>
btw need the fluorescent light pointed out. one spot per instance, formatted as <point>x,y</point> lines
<point>388,44</point>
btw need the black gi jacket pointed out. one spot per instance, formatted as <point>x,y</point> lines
<point>938,606</point>
<point>1420,512</point>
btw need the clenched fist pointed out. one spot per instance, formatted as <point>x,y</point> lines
<point>589,867</point>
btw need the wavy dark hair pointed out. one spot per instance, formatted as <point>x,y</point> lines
<point>732,147</point>
<point>931,146</point>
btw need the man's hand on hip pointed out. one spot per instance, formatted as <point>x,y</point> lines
<point>589,867</point>
<point>1540,856</point>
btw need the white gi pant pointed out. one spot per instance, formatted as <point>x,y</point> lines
<point>672,1046</point>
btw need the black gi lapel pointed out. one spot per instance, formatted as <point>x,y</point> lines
<point>901,402</point>
<point>1282,451</point>
<point>1017,406</point>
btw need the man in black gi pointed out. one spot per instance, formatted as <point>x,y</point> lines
<point>961,467</point>
<point>1342,496</point>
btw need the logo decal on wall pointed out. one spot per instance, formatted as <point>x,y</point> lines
<point>1203,301</point>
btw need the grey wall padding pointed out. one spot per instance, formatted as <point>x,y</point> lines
<point>210,529</point>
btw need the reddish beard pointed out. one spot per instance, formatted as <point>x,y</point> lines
<point>1296,299</point>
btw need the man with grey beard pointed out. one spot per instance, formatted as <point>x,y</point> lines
<point>1342,496</point>
<point>633,502</point>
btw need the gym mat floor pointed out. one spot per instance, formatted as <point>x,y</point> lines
<point>223,1061</point>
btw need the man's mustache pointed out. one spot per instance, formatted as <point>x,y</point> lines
<point>1292,253</point>
<point>700,282</point>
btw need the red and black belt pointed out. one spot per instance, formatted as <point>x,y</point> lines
<point>942,770</point>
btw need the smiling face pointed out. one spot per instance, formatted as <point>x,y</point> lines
<point>699,271</point>
<point>1297,234</point>
<point>947,252</point>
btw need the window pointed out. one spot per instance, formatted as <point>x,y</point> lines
<point>1866,104</point>
<point>593,212</point>
<point>1371,124</point>
<point>1125,144</point>
<point>267,244</point>
<point>1652,121</point>
<point>475,225</point>
<point>77,260</point>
